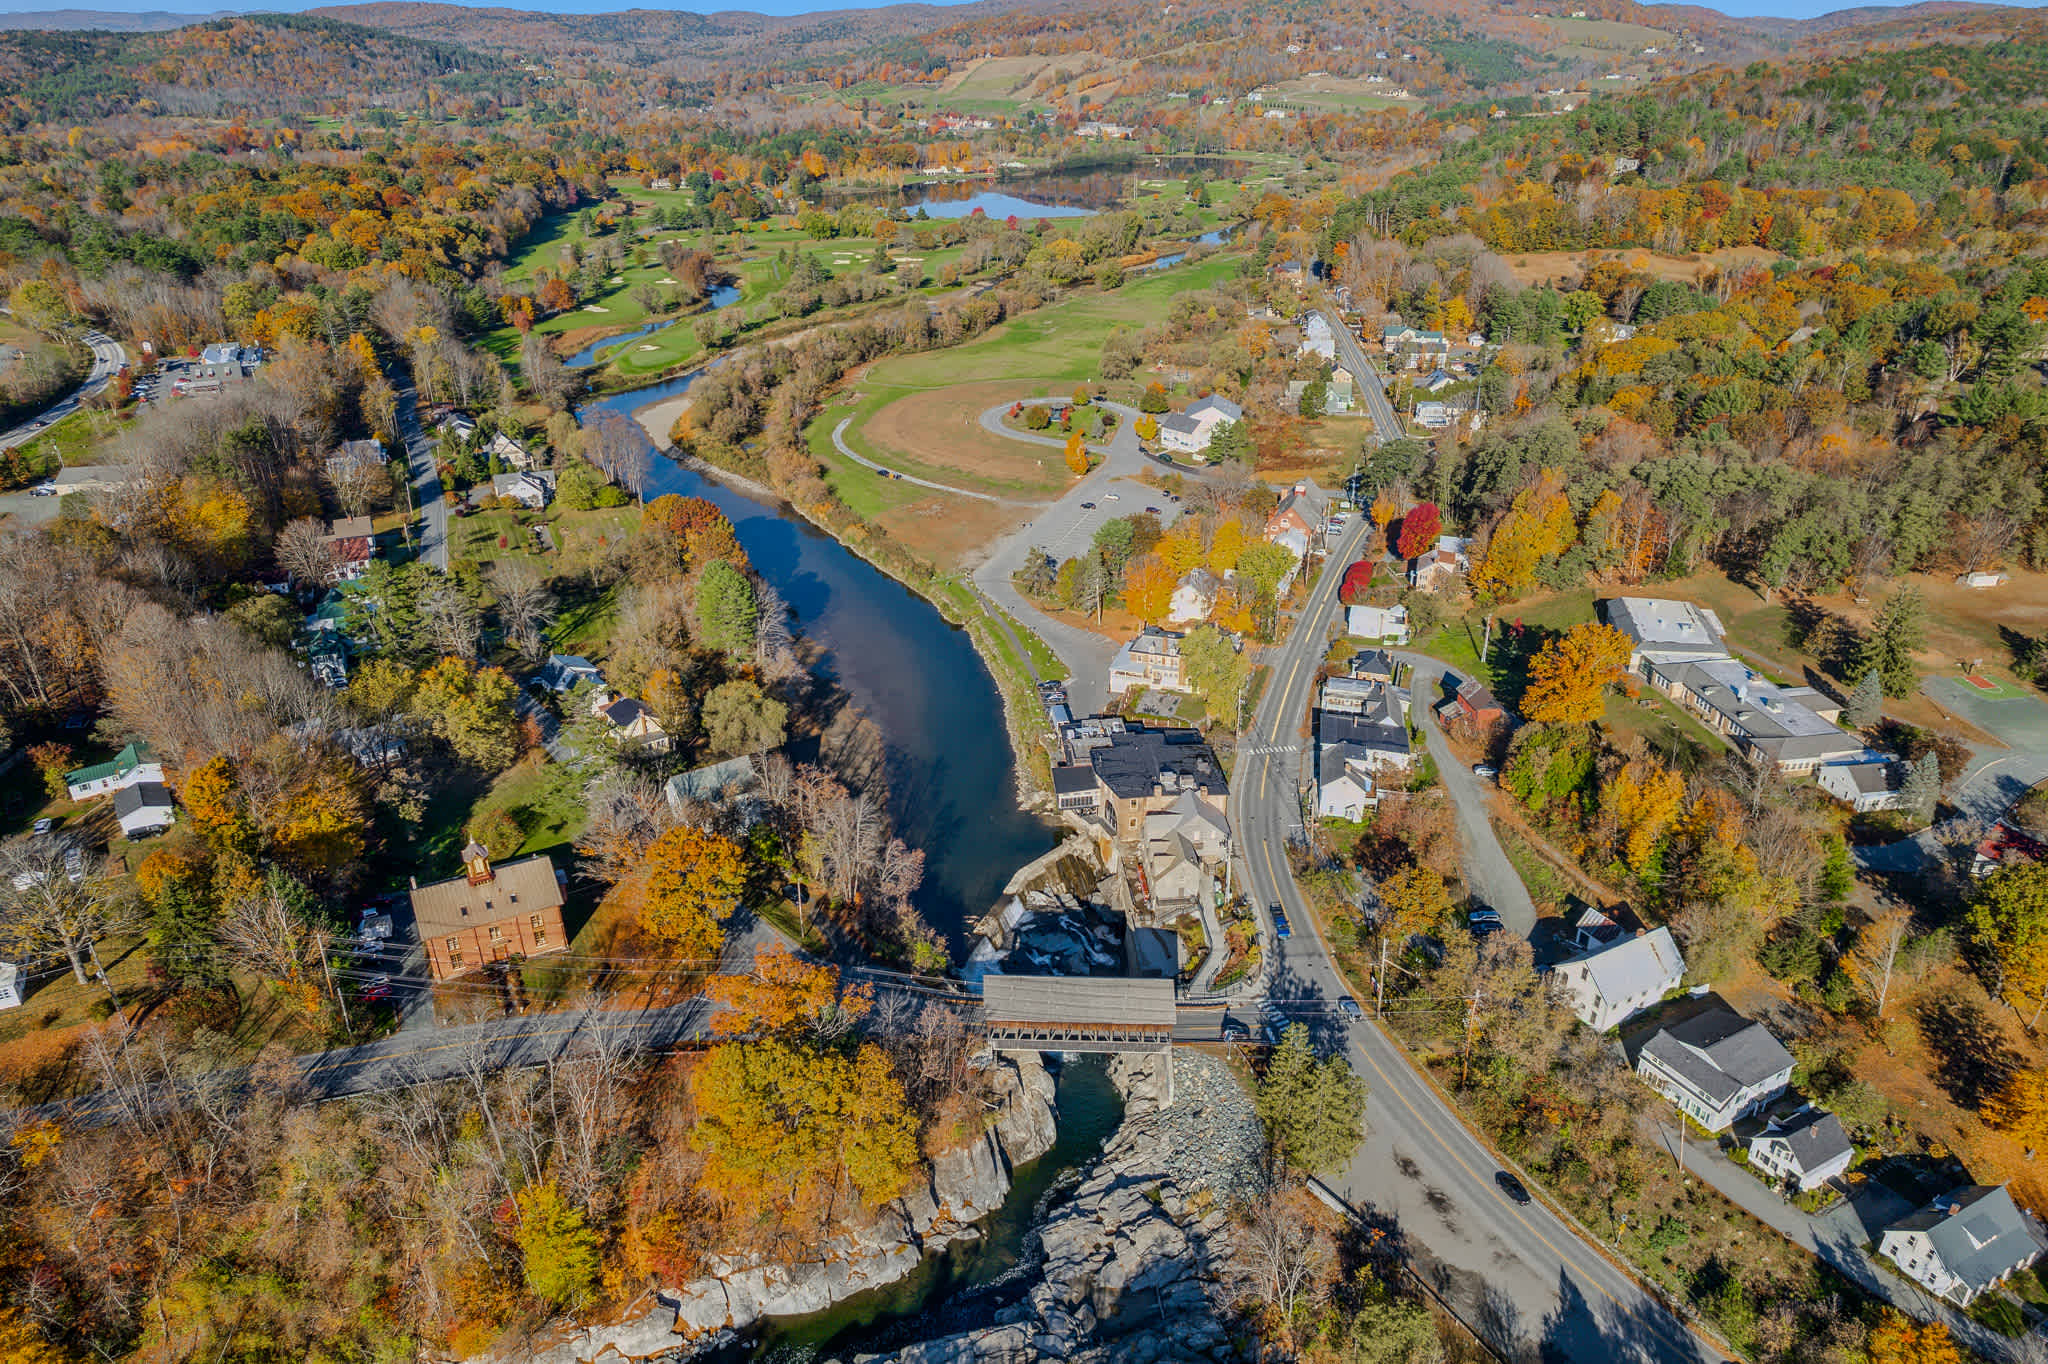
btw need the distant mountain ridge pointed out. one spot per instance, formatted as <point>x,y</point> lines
<point>109,21</point>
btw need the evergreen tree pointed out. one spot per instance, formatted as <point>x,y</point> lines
<point>1900,628</point>
<point>727,612</point>
<point>1230,440</point>
<point>1866,703</point>
<point>1923,786</point>
<point>1313,1111</point>
<point>181,937</point>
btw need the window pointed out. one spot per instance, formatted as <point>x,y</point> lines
<point>454,945</point>
<point>496,936</point>
<point>539,930</point>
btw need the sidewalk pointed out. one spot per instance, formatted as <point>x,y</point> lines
<point>1837,1237</point>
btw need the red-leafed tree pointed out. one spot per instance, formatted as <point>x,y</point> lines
<point>1419,530</point>
<point>1357,579</point>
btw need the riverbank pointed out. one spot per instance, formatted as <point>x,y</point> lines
<point>997,639</point>
<point>1142,1260</point>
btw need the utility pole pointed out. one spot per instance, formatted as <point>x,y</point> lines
<point>1379,982</point>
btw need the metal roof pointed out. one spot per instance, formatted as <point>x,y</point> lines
<point>1077,999</point>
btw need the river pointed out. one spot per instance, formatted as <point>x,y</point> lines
<point>953,778</point>
<point>722,296</point>
<point>962,1287</point>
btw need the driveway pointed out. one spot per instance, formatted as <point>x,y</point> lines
<point>1063,528</point>
<point>1492,877</point>
<point>1836,1237</point>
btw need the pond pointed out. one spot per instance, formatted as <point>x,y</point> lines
<point>917,678</point>
<point>1059,192</point>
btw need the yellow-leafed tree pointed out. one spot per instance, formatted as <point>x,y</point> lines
<point>1898,1339</point>
<point>1645,799</point>
<point>694,880</point>
<point>1568,675</point>
<point>1538,526</point>
<point>1077,454</point>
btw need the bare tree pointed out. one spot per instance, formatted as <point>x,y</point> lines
<point>1285,1252</point>
<point>617,445</point>
<point>49,907</point>
<point>525,608</point>
<point>360,484</point>
<point>1875,960</point>
<point>304,551</point>
<point>264,933</point>
<point>449,620</point>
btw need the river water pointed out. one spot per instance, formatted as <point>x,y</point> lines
<point>962,1287</point>
<point>953,778</point>
<point>722,296</point>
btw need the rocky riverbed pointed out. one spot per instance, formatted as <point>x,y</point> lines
<point>1136,1265</point>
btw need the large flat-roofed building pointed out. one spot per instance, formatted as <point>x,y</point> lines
<point>1661,630</point>
<point>1791,728</point>
<point>1143,770</point>
<point>489,913</point>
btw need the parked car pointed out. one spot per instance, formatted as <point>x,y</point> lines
<point>1484,771</point>
<point>1234,1032</point>
<point>1087,506</point>
<point>45,824</point>
<point>378,988</point>
<point>1112,497</point>
<point>1152,511</point>
<point>74,862</point>
<point>1512,1187</point>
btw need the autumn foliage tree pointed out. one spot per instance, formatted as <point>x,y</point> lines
<point>786,996</point>
<point>1357,579</point>
<point>1148,587</point>
<point>1568,675</point>
<point>1538,526</point>
<point>1898,1339</point>
<point>1420,529</point>
<point>2009,920</point>
<point>694,880</point>
<point>1077,454</point>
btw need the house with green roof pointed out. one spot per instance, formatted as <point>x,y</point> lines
<point>131,765</point>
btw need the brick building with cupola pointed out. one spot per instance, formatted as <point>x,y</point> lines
<point>489,914</point>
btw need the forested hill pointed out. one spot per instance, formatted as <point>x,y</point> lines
<point>646,37</point>
<point>254,66</point>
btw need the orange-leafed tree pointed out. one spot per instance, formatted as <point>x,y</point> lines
<point>1384,508</point>
<point>1148,587</point>
<point>1644,799</point>
<point>1569,673</point>
<point>694,880</point>
<point>1898,1339</point>
<point>1077,454</point>
<point>1538,526</point>
<point>786,995</point>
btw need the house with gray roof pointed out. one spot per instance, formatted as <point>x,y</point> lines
<point>1963,1243</point>
<point>1805,1150</point>
<point>566,672</point>
<point>1617,979</point>
<point>1863,786</point>
<point>715,783</point>
<point>1717,1066</point>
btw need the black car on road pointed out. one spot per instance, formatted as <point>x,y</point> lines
<point>1512,1187</point>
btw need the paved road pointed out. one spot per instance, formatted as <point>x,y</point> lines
<point>1520,1275</point>
<point>107,358</point>
<point>1994,781</point>
<point>1064,528</point>
<point>1385,423</point>
<point>839,443</point>
<point>426,478</point>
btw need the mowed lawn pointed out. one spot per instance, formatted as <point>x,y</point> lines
<point>919,413</point>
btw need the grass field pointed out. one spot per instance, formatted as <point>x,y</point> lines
<point>1607,36</point>
<point>581,537</point>
<point>935,435</point>
<point>1338,92</point>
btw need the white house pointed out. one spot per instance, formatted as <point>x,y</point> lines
<point>1865,786</point>
<point>1432,416</point>
<point>534,490</point>
<point>132,765</point>
<point>1805,1150</point>
<point>1151,659</point>
<point>1344,785</point>
<point>566,672</point>
<point>1317,339</point>
<point>1440,565</point>
<point>1193,598</point>
<point>1618,978</point>
<point>1983,577</point>
<point>1386,624</point>
<point>1189,432</point>
<point>10,985</point>
<point>1964,1242</point>
<point>1717,1066</point>
<point>633,726</point>
<point>516,456</point>
<point>144,809</point>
